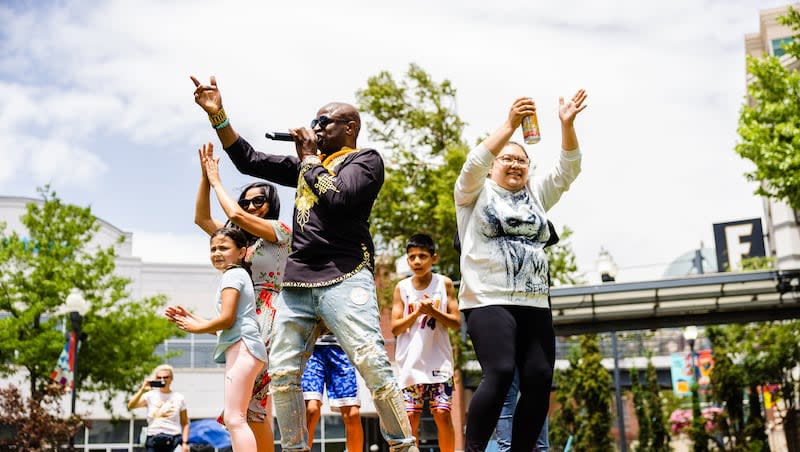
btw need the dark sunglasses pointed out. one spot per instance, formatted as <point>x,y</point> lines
<point>323,121</point>
<point>163,377</point>
<point>258,201</point>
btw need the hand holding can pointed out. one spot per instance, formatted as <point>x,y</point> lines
<point>530,129</point>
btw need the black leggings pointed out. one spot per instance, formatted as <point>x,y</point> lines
<point>505,338</point>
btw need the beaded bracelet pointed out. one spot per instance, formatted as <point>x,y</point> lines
<point>223,124</point>
<point>218,119</point>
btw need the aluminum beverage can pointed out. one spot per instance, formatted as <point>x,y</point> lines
<point>530,129</point>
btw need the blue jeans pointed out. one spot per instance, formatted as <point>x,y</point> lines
<point>504,422</point>
<point>350,311</point>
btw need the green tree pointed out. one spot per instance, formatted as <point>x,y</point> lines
<point>564,420</point>
<point>655,410</point>
<point>36,274</point>
<point>744,360</point>
<point>728,383</point>
<point>757,263</point>
<point>415,119</point>
<point>779,354</point>
<point>653,431</point>
<point>585,399</point>
<point>642,414</point>
<point>769,123</point>
<point>697,431</point>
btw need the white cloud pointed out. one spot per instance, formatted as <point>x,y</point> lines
<point>56,162</point>
<point>82,79</point>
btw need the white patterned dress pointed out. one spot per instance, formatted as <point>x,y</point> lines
<point>268,261</point>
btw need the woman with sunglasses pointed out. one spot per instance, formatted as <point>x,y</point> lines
<point>167,420</point>
<point>504,286</point>
<point>256,214</point>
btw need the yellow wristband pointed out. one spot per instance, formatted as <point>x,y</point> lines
<point>218,118</point>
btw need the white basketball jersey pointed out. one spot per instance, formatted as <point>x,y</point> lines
<point>423,352</point>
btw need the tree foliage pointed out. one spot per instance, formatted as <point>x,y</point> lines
<point>415,119</point>
<point>769,123</point>
<point>655,411</point>
<point>653,431</point>
<point>561,261</point>
<point>35,424</point>
<point>747,357</point>
<point>642,415</point>
<point>38,271</point>
<point>585,397</point>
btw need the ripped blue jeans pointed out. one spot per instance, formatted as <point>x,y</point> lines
<point>350,311</point>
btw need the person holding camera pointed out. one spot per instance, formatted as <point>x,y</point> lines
<point>167,420</point>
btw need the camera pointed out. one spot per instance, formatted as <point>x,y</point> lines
<point>157,384</point>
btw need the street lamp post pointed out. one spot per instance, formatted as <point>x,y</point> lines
<point>76,306</point>
<point>690,334</point>
<point>698,423</point>
<point>608,273</point>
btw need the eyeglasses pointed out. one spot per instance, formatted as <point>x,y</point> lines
<point>323,121</point>
<point>163,377</point>
<point>507,160</point>
<point>257,202</point>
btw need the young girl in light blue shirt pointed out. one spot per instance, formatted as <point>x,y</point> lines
<point>239,344</point>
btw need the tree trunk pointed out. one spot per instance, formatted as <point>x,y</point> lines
<point>35,395</point>
<point>791,429</point>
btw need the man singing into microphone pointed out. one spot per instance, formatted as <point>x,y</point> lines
<point>328,278</point>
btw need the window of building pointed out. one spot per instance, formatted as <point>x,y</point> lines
<point>193,351</point>
<point>777,45</point>
<point>109,432</point>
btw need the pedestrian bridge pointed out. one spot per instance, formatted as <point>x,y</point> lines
<point>716,298</point>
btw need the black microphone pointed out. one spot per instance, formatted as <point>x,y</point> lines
<point>279,136</point>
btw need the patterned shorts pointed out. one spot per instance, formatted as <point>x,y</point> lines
<point>329,367</point>
<point>439,396</point>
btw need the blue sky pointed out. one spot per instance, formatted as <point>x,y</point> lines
<point>98,103</point>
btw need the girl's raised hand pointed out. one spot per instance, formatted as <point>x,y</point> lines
<point>206,149</point>
<point>210,163</point>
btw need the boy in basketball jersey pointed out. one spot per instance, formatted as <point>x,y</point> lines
<point>423,308</point>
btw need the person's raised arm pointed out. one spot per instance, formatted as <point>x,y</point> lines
<point>566,113</point>
<point>473,174</point>
<point>521,108</point>
<point>281,169</point>
<point>260,227</point>
<point>136,401</point>
<point>202,205</point>
<point>554,183</point>
<point>209,99</point>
